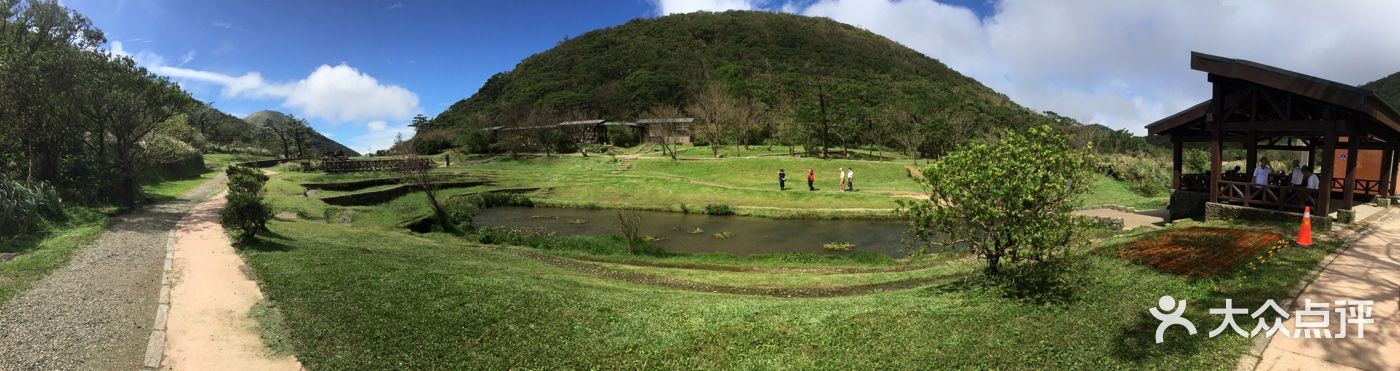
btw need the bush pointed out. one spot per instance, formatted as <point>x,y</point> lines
<point>24,207</point>
<point>1146,175</point>
<point>245,214</point>
<point>719,209</point>
<point>432,141</point>
<point>462,209</point>
<point>622,136</point>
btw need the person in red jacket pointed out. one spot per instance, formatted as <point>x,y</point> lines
<point>811,178</point>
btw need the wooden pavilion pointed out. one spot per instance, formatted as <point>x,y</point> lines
<point>1267,108</point>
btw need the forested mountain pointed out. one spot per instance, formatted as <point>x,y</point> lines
<point>316,143</point>
<point>832,81</point>
<point>1388,88</point>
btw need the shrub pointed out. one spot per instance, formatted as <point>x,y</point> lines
<point>719,209</point>
<point>245,214</point>
<point>622,136</point>
<point>24,207</point>
<point>462,209</point>
<point>1146,175</point>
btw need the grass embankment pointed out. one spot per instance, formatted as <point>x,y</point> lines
<point>374,298</point>
<point>1107,191</point>
<point>749,185</point>
<point>41,253</point>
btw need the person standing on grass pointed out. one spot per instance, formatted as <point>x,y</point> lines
<point>782,180</point>
<point>1261,173</point>
<point>851,179</point>
<point>841,179</point>
<point>811,179</point>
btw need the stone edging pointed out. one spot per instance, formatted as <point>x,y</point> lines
<point>1251,359</point>
<point>155,347</point>
<point>1110,207</point>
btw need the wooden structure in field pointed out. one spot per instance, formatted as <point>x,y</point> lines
<point>1267,108</point>
<point>667,130</point>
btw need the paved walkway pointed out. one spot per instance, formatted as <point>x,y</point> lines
<point>95,313</point>
<point>1369,270</point>
<point>209,327</point>
<point>1130,220</point>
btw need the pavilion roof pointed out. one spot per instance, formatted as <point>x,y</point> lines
<point>1352,98</point>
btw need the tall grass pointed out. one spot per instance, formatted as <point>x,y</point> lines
<point>25,207</point>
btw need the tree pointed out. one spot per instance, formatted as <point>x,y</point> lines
<point>712,109</point>
<point>279,133</point>
<point>418,172</point>
<point>420,122</point>
<point>146,100</point>
<point>664,130</point>
<point>1010,200</point>
<point>205,119</point>
<point>580,130</point>
<point>299,133</point>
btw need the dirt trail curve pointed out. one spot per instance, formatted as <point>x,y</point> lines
<point>96,311</point>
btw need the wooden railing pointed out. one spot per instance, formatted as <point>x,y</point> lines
<point>346,166</point>
<point>1279,197</point>
<point>1363,186</point>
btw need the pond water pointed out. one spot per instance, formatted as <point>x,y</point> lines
<point>750,235</point>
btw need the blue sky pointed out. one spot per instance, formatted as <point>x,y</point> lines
<point>358,70</point>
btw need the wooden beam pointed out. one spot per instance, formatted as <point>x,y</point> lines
<point>1324,186</point>
<point>1176,164</point>
<point>1349,184</point>
<point>1305,126</point>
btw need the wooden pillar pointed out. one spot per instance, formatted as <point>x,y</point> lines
<point>1324,175</point>
<point>1251,154</point>
<point>1215,134</point>
<point>1387,171</point>
<point>1349,185</point>
<point>1176,163</point>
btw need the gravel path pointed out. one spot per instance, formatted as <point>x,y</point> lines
<point>96,312</point>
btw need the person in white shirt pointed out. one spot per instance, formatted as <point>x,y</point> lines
<point>841,182</point>
<point>1261,173</point>
<point>1296,179</point>
<point>850,179</point>
<point>1311,178</point>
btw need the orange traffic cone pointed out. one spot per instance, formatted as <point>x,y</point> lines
<point>1305,231</point>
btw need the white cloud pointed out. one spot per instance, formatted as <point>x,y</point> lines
<point>377,126</point>
<point>224,25</point>
<point>688,6</point>
<point>378,135</point>
<point>334,94</point>
<point>1122,63</point>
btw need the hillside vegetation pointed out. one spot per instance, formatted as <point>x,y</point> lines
<point>755,76</point>
<point>1388,88</point>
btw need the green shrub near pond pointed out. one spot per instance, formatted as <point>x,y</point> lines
<point>596,245</point>
<point>719,209</point>
<point>462,209</point>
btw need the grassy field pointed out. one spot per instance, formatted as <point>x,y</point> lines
<point>372,298</point>
<point>358,291</point>
<point>1107,191</point>
<point>41,254</point>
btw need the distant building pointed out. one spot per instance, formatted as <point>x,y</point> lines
<point>671,130</point>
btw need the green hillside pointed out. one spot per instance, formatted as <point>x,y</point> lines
<point>779,60</point>
<point>1388,88</point>
<point>319,143</point>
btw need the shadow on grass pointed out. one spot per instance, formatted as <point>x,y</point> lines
<point>1051,282</point>
<point>267,241</point>
<point>1138,342</point>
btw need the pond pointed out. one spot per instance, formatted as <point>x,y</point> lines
<point>695,232</point>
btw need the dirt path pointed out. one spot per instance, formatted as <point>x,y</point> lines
<point>209,327</point>
<point>96,312</point>
<point>1369,270</point>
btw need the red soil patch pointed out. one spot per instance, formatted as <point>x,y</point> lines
<point>1198,251</point>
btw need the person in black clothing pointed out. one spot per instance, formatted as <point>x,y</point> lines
<point>782,180</point>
